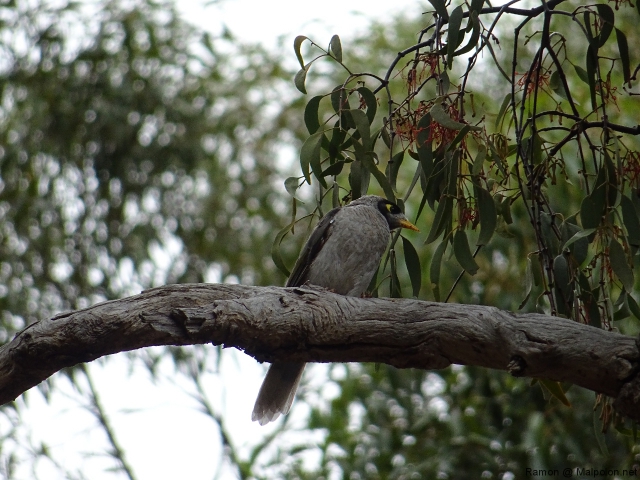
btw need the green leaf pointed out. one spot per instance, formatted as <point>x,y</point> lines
<point>582,74</point>
<point>440,8</point>
<point>455,20</point>
<point>463,252</point>
<point>310,154</point>
<point>620,265</point>
<point>623,48</point>
<point>443,215</point>
<point>578,236</point>
<point>371,101</point>
<point>358,179</point>
<point>607,21</point>
<point>276,256</point>
<point>412,261</point>
<point>434,269</point>
<point>528,283</point>
<point>299,80</point>
<point>592,63</point>
<point>555,82</point>
<point>631,221</point>
<point>479,160</point>
<point>361,123</point>
<point>488,216</point>
<point>311,114</point>
<point>476,5</point>
<point>333,169</point>
<point>633,306</point>
<point>555,389</point>
<point>591,211</point>
<point>379,176</point>
<point>394,168</point>
<point>336,47</point>
<point>440,116</point>
<point>475,35</point>
<point>561,275</point>
<point>297,43</point>
<point>291,185</point>
<point>503,108</point>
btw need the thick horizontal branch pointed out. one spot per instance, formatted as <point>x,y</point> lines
<point>314,325</point>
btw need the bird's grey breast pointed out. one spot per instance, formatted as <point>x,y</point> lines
<point>352,252</point>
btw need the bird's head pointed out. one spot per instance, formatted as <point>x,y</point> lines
<point>395,217</point>
<point>389,210</point>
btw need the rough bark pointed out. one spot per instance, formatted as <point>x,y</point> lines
<point>313,325</point>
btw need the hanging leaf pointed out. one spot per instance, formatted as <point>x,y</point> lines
<point>439,115</point>
<point>479,160</point>
<point>336,47</point>
<point>311,114</point>
<point>607,20</point>
<point>276,256</point>
<point>371,102</point>
<point>361,123</point>
<point>297,43</point>
<point>630,220</point>
<point>528,283</point>
<point>503,108</point>
<point>440,8</point>
<point>310,154</point>
<point>299,80</point>
<point>291,185</point>
<point>454,38</point>
<point>592,65</point>
<point>555,389</point>
<point>463,252</point>
<point>394,168</point>
<point>475,35</point>
<point>488,216</point>
<point>620,265</point>
<point>623,48</point>
<point>434,269</point>
<point>412,261</point>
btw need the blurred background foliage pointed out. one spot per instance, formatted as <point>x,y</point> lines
<point>136,150</point>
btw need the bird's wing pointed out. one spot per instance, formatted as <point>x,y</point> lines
<point>314,244</point>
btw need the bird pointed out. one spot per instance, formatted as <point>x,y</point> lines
<point>342,254</point>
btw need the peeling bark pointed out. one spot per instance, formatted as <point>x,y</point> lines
<point>313,325</point>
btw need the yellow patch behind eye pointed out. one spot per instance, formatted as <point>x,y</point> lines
<point>389,206</point>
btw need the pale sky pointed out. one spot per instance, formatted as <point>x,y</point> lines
<point>159,425</point>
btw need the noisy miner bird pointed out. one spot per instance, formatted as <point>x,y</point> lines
<point>342,254</point>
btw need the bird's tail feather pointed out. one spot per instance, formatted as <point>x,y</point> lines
<point>277,391</point>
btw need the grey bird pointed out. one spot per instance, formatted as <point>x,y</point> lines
<point>342,254</point>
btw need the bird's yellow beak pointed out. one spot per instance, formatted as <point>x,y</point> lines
<point>409,225</point>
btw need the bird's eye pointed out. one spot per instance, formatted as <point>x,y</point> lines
<point>394,209</point>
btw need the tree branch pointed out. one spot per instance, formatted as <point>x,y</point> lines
<point>313,325</point>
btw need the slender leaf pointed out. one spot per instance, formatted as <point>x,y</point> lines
<point>310,154</point>
<point>475,35</point>
<point>555,389</point>
<point>607,21</point>
<point>453,39</point>
<point>463,252</point>
<point>528,283</point>
<point>434,269</point>
<point>623,48</point>
<point>412,261</point>
<point>297,43</point>
<point>620,265</point>
<point>311,114</point>
<point>439,115</point>
<point>336,47</point>
<point>440,8</point>
<point>631,221</point>
<point>299,80</point>
<point>488,216</point>
<point>276,256</point>
<point>371,101</point>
